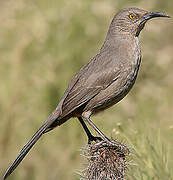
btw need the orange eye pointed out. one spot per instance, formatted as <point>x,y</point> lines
<point>132,16</point>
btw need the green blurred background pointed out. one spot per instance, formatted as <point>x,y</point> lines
<point>42,44</point>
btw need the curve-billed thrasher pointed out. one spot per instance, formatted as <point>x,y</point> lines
<point>104,81</point>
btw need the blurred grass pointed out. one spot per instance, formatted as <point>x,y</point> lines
<point>42,44</point>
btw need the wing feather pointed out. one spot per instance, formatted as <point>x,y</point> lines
<point>89,81</point>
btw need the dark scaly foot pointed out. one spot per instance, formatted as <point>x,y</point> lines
<point>90,136</point>
<point>103,137</point>
<point>94,138</point>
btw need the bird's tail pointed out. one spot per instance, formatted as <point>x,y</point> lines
<point>29,145</point>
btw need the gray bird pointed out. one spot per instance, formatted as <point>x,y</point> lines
<point>104,81</point>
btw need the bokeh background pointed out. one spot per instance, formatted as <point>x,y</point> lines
<point>43,43</point>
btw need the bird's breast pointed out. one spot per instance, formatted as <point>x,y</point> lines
<point>130,67</point>
<point>134,59</point>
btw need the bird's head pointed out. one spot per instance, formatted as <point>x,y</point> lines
<point>132,20</point>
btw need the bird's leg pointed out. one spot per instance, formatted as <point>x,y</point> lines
<point>95,128</point>
<point>90,136</point>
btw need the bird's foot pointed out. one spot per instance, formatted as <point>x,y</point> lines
<point>99,139</point>
<point>94,138</point>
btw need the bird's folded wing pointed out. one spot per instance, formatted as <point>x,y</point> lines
<point>88,85</point>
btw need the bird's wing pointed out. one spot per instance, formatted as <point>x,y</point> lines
<point>99,73</point>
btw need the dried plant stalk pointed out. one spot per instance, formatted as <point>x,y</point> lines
<point>105,161</point>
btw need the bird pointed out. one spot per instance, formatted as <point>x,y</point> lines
<point>103,81</point>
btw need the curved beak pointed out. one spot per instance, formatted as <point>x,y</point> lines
<point>154,14</point>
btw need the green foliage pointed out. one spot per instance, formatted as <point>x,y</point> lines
<point>42,44</point>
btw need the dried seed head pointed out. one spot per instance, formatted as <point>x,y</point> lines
<point>105,161</point>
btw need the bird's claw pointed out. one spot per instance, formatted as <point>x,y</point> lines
<point>94,138</point>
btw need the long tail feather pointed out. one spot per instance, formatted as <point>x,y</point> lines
<point>28,146</point>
